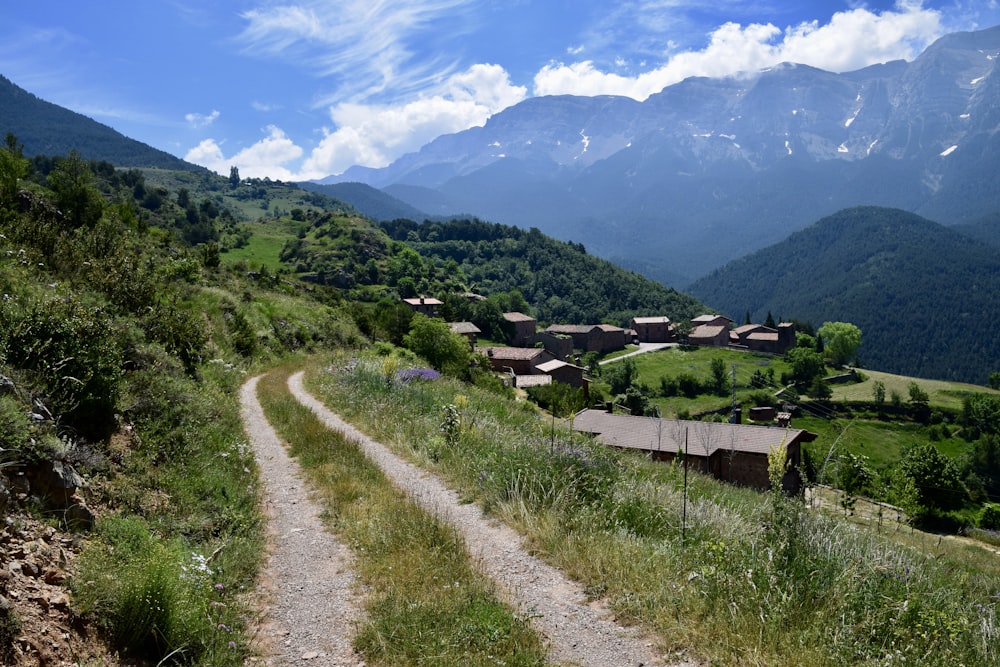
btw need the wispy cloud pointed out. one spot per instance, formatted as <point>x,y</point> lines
<point>363,47</point>
<point>198,120</point>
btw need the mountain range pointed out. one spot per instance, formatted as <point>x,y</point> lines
<point>710,169</point>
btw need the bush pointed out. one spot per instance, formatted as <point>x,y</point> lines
<point>150,596</point>
<point>73,360</point>
<point>989,519</point>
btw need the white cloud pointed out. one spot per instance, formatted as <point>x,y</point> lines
<point>370,134</point>
<point>201,120</point>
<point>851,40</point>
<point>264,158</point>
<point>264,107</point>
<point>374,135</point>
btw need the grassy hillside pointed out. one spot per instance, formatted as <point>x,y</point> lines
<point>122,347</point>
<point>923,295</point>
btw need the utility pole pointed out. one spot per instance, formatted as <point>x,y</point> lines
<point>732,410</point>
<point>684,514</point>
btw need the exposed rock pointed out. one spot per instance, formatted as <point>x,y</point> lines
<point>55,483</point>
<point>79,517</point>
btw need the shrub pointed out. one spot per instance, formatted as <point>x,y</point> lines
<point>150,596</point>
<point>180,331</point>
<point>73,358</point>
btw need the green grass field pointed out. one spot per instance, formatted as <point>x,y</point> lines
<point>883,441</point>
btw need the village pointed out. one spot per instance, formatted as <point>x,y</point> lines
<point>733,452</point>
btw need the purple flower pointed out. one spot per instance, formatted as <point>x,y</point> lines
<point>414,374</point>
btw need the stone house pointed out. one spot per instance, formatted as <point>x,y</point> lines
<point>424,305</point>
<point>560,345</point>
<point>653,329</point>
<point>710,330</point>
<point>467,329</point>
<point>759,338</point>
<point>565,372</point>
<point>519,360</point>
<point>520,329</point>
<point>734,453</point>
<point>592,337</point>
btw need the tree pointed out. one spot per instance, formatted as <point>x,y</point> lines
<point>13,167</point>
<point>919,402</point>
<point>76,196</point>
<point>432,339</point>
<point>806,366</point>
<point>840,341</point>
<point>994,380</point>
<point>620,375</point>
<point>720,379</point>
<point>234,177</point>
<point>935,477</point>
<point>819,390</point>
<point>878,393</point>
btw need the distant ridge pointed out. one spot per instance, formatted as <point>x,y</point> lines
<point>44,128</point>
<point>924,295</point>
<point>368,201</point>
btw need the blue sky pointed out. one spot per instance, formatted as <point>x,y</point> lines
<point>302,89</point>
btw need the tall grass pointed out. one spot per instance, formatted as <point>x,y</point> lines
<point>168,570</point>
<point>427,604</point>
<point>745,578</point>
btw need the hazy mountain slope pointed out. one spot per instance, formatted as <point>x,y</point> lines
<point>368,201</point>
<point>44,128</point>
<point>709,169</point>
<point>925,296</point>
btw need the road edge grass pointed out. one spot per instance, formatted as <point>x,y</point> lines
<point>732,576</point>
<point>425,600</point>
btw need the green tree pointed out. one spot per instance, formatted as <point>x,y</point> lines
<point>620,375</point>
<point>13,167</point>
<point>878,393</point>
<point>234,177</point>
<point>980,415</point>
<point>935,477</point>
<point>806,366</point>
<point>819,390</point>
<point>994,380</point>
<point>919,402</point>
<point>432,339</point>
<point>76,196</point>
<point>840,341</point>
<point>720,378</point>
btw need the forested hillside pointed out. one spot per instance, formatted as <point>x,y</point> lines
<point>560,280</point>
<point>48,129</point>
<point>924,295</point>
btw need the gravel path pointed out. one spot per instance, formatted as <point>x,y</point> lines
<point>312,606</point>
<point>578,633</point>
